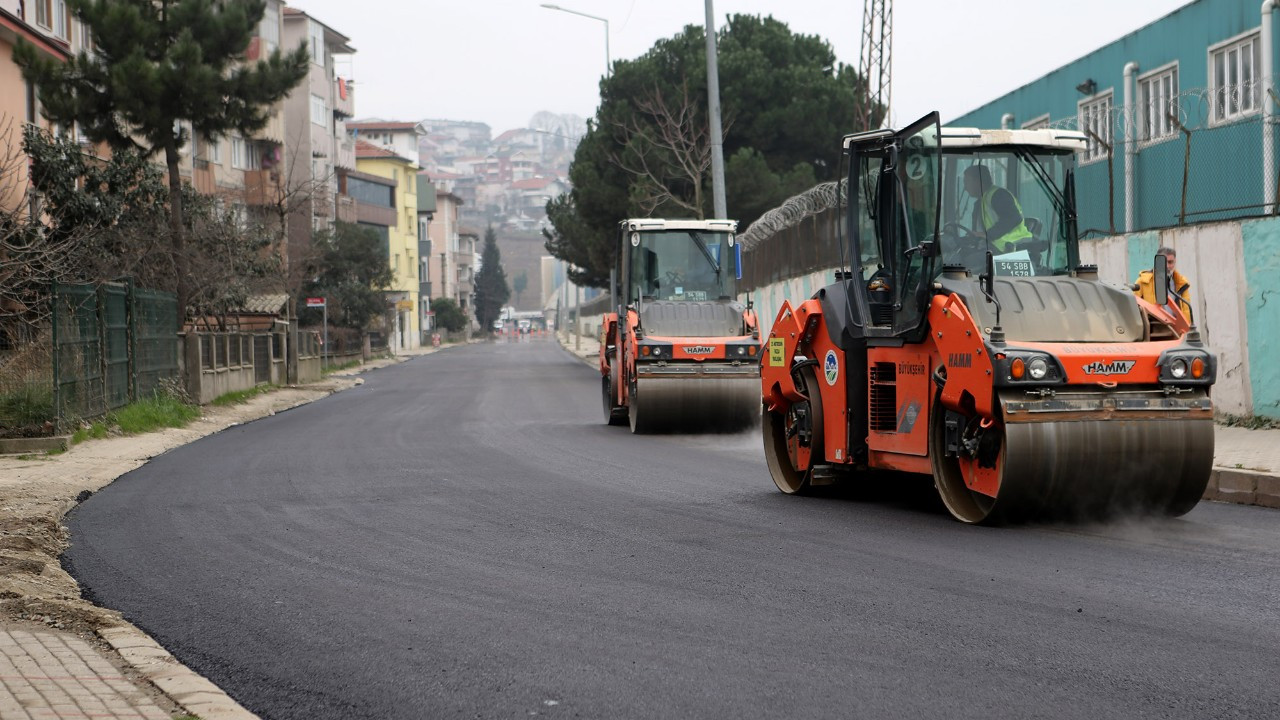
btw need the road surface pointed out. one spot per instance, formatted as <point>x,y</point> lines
<point>463,537</point>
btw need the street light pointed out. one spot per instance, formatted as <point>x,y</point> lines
<point>608,63</point>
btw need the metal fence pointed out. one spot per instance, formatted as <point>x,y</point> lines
<point>112,344</point>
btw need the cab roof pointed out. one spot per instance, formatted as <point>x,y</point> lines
<point>654,224</point>
<point>958,137</point>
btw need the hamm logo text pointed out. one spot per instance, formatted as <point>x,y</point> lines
<point>1117,367</point>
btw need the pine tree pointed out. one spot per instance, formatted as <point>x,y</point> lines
<point>491,282</point>
<point>156,63</point>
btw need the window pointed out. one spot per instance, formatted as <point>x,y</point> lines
<point>1158,104</point>
<point>1233,77</point>
<point>1039,123</point>
<point>213,151</point>
<point>315,34</point>
<point>60,19</point>
<point>242,157</point>
<point>44,11</point>
<point>1095,122</point>
<point>269,29</point>
<point>319,112</point>
<point>371,193</point>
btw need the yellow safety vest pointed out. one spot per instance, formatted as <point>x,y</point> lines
<point>989,218</point>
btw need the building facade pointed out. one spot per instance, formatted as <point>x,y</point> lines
<point>426,211</point>
<point>49,28</point>
<point>401,233</point>
<point>1179,114</point>
<point>451,270</point>
<point>316,144</point>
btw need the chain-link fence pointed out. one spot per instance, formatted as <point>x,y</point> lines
<point>1171,158</point>
<point>112,344</point>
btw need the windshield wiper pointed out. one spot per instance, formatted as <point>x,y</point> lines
<point>1046,181</point>
<point>705,252</point>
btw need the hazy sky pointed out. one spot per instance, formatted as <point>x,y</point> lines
<point>500,61</point>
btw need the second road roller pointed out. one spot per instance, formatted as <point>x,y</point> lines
<point>678,351</point>
<point>964,339</point>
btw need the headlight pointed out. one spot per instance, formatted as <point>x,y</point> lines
<point>1178,368</point>
<point>1025,366</point>
<point>657,351</point>
<point>742,350</point>
<point>1037,368</point>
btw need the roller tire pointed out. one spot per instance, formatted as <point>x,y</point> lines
<point>613,414</point>
<point>789,479</point>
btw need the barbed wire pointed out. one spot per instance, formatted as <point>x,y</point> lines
<point>1193,110</point>
<point>798,207</point>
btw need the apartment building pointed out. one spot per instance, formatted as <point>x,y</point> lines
<point>389,181</point>
<point>402,138</point>
<point>451,270</point>
<point>46,25</point>
<point>317,146</point>
<point>245,172</point>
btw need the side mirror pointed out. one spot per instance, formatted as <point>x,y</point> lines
<point>1162,280</point>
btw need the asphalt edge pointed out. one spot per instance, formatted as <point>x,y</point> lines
<point>188,689</point>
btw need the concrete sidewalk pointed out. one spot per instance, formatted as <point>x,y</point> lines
<point>60,655</point>
<point>1246,462</point>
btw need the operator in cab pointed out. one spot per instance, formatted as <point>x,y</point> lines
<point>997,216</point>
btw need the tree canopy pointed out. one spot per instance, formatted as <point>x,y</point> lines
<point>155,64</point>
<point>351,273</point>
<point>491,282</point>
<point>786,103</point>
<point>448,315</point>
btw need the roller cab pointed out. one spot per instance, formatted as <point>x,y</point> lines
<point>993,361</point>
<point>679,352</point>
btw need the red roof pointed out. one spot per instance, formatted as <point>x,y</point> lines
<point>532,183</point>
<point>381,125</point>
<point>57,48</point>
<point>510,134</point>
<point>369,150</point>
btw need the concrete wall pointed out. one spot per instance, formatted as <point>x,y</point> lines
<point>309,369</point>
<point>1227,302</point>
<point>205,385</point>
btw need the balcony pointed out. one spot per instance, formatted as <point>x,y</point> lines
<point>274,129</point>
<point>347,212</point>
<point>345,157</point>
<point>262,187</point>
<point>344,102</point>
<point>203,180</point>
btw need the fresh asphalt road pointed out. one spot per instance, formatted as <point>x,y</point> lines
<point>463,537</point>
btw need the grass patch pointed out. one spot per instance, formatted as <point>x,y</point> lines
<point>27,405</point>
<point>1251,422</point>
<point>153,413</point>
<point>235,397</point>
<point>96,431</point>
<point>344,366</point>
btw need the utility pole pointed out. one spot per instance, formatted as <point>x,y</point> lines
<point>713,105</point>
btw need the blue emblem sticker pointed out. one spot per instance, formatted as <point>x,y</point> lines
<point>831,367</point>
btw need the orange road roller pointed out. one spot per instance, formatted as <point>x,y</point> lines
<point>964,339</point>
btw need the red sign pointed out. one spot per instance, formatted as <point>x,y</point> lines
<point>315,302</point>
